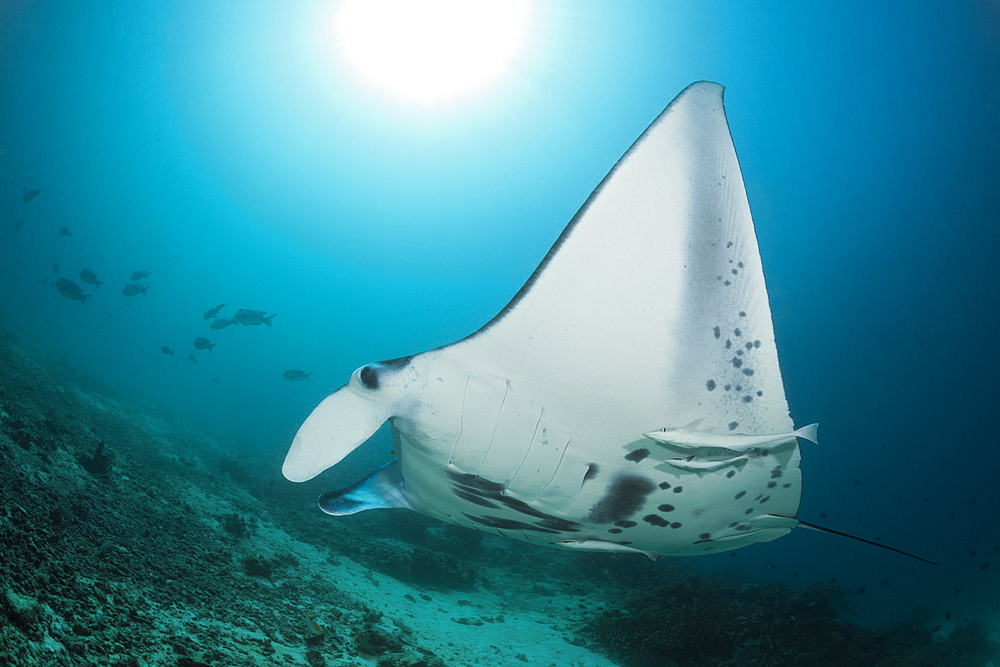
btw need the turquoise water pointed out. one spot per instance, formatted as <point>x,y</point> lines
<point>220,148</point>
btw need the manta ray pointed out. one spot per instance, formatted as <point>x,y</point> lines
<point>628,398</point>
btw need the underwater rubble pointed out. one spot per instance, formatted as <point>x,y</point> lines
<point>132,538</point>
<point>700,622</point>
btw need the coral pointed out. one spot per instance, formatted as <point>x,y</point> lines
<point>257,567</point>
<point>424,567</point>
<point>235,525</point>
<point>97,464</point>
<point>696,623</point>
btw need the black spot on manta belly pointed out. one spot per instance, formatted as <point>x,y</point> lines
<point>624,497</point>
<point>710,385</point>
<point>655,520</point>
<point>717,331</point>
<point>666,508</point>
<point>626,524</point>
<point>614,531</point>
<point>637,455</point>
<point>664,485</point>
<point>592,470</point>
<point>730,473</point>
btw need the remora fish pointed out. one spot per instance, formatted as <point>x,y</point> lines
<point>134,288</point>
<point>689,436</point>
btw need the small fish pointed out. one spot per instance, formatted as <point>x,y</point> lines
<point>602,545</point>
<point>191,358</point>
<point>139,275</point>
<point>252,317</point>
<point>222,323</point>
<point>166,350</point>
<point>134,288</point>
<point>55,266</point>
<point>294,375</point>
<point>203,344</point>
<point>690,437</point>
<point>18,223</point>
<point>30,194</point>
<point>88,276</point>
<point>64,231</point>
<point>71,290</point>
<point>212,312</point>
<point>313,625</point>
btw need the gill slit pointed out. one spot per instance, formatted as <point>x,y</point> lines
<point>461,427</point>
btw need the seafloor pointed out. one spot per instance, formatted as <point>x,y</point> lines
<point>131,538</point>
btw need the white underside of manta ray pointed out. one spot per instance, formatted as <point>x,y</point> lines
<point>648,314</point>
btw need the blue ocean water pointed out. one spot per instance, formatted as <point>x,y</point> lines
<point>219,147</point>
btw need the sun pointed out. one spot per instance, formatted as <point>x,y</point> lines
<point>431,51</point>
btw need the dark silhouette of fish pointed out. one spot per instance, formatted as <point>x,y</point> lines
<point>293,375</point>
<point>222,323</point>
<point>64,231</point>
<point>166,350</point>
<point>139,275</point>
<point>30,194</point>
<point>203,344</point>
<point>133,288</point>
<point>71,290</point>
<point>252,317</point>
<point>17,224</point>
<point>88,276</point>
<point>191,358</point>
<point>212,312</point>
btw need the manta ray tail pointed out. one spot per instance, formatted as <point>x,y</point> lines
<point>806,524</point>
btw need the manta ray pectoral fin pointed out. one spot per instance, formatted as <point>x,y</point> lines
<point>379,490</point>
<point>337,426</point>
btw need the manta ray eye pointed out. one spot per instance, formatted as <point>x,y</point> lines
<point>369,377</point>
